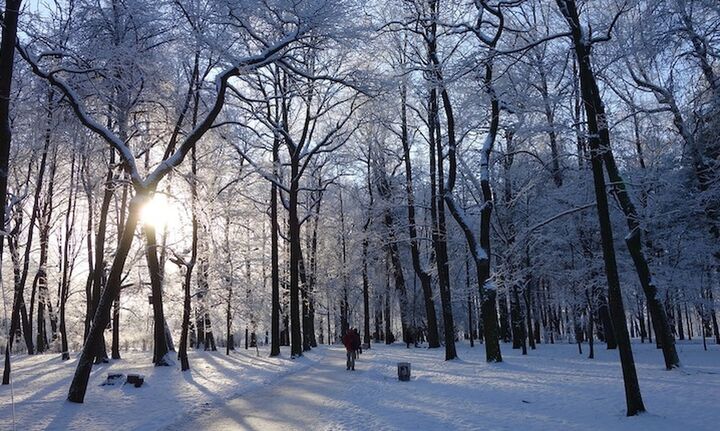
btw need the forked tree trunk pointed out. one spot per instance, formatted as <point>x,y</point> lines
<point>78,386</point>
<point>480,250</point>
<point>597,123</point>
<point>160,345</point>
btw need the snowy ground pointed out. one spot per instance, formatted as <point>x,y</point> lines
<point>551,388</point>
<point>41,384</point>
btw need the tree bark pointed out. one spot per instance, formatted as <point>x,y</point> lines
<point>79,382</point>
<point>294,237</point>
<point>423,275</point>
<point>275,257</point>
<point>597,123</point>
<point>7,57</point>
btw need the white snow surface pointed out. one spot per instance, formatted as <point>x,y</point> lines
<point>551,388</point>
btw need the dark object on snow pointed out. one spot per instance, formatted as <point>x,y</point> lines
<point>404,371</point>
<point>112,379</point>
<point>135,379</point>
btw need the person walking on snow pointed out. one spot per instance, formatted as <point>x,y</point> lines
<point>357,344</point>
<point>349,342</point>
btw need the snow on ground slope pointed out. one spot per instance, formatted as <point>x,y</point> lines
<point>552,388</point>
<point>41,384</point>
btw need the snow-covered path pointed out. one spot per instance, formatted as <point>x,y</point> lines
<point>328,397</point>
<point>552,388</point>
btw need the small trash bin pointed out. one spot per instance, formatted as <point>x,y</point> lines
<point>404,371</point>
<point>135,379</point>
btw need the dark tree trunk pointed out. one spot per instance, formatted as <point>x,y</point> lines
<point>527,294</point>
<point>528,315</point>
<point>608,334</point>
<point>275,257</point>
<point>44,222</point>
<point>393,251</point>
<point>591,321</point>
<point>365,245</point>
<point>422,274</point>
<point>7,56</point>
<point>97,274</point>
<point>663,330</point>
<point>480,250</point>
<point>679,320</point>
<point>189,266</point>
<point>21,268</point>
<point>552,134</point>
<point>505,332</point>
<point>389,338</point>
<point>597,123</point>
<point>67,261</point>
<point>518,334</point>
<point>116,303</point>
<point>520,325</point>
<point>294,238</point>
<point>487,289</point>
<point>438,187</point>
<point>309,273</point>
<point>344,301</point>
<point>470,304</point>
<point>160,346</point>
<point>366,293</point>
<point>442,255</point>
<point>78,386</point>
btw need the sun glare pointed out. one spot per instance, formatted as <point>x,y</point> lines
<point>160,213</point>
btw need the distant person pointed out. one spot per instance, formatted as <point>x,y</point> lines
<point>349,342</point>
<point>357,344</point>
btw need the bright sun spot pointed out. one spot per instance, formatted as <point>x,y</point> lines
<point>160,212</point>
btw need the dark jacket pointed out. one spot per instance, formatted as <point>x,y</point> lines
<point>355,340</point>
<point>348,340</point>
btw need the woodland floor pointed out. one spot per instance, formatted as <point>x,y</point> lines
<point>552,388</point>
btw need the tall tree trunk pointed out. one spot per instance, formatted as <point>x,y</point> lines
<point>597,123</point>
<point>344,301</point>
<point>275,257</point>
<point>365,245</point>
<point>663,331</point>
<point>160,346</point>
<point>422,274</point>
<point>441,253</point>
<point>67,261</point>
<point>294,237</point>
<point>189,266</point>
<point>470,305</point>
<point>391,246</point>
<point>312,276</point>
<point>116,303</point>
<point>7,56</point>
<point>204,323</point>
<point>552,134</point>
<point>480,250</point>
<point>41,278</point>
<point>99,269</point>
<point>78,386</point>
